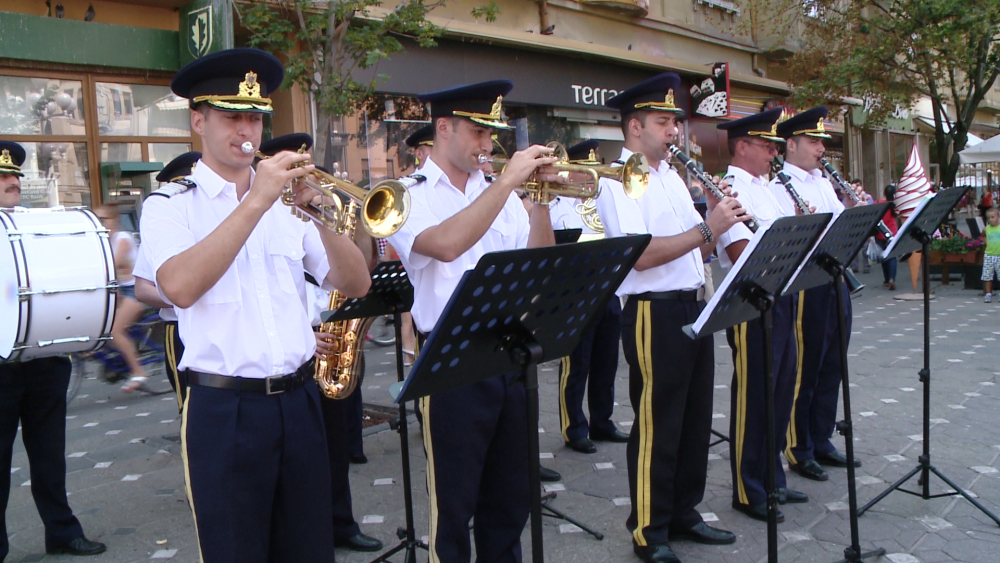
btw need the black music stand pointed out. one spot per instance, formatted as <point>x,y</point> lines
<point>566,236</point>
<point>840,243</point>
<point>748,293</point>
<point>390,293</point>
<point>915,234</point>
<point>516,309</point>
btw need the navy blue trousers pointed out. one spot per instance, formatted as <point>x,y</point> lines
<point>591,366</point>
<point>670,386</point>
<point>475,438</point>
<point>335,417</point>
<point>748,420</point>
<point>34,394</point>
<point>817,387</point>
<point>258,475</point>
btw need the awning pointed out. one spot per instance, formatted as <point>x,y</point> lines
<point>986,151</point>
<point>929,122</point>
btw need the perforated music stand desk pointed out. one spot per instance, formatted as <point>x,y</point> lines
<point>915,234</point>
<point>390,294</point>
<point>516,309</point>
<point>747,293</point>
<point>827,263</point>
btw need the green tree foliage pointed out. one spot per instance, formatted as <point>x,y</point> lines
<point>892,52</point>
<point>328,43</point>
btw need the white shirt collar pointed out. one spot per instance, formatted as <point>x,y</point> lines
<point>744,176</point>
<point>800,174</point>
<point>434,173</point>
<point>210,182</point>
<point>660,167</point>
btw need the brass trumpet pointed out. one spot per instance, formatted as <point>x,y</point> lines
<point>633,176</point>
<point>384,207</point>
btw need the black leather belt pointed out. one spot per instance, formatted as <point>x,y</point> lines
<point>686,295</point>
<point>268,385</point>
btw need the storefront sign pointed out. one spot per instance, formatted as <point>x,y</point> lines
<point>206,27</point>
<point>539,78</point>
<point>710,97</point>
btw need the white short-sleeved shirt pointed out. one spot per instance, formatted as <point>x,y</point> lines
<point>124,245</point>
<point>757,199</point>
<point>812,186</point>
<point>254,321</point>
<point>434,201</point>
<point>665,209</point>
<point>144,270</point>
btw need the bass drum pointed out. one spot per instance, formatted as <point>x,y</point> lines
<point>57,283</point>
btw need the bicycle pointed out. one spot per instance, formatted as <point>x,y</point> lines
<point>108,365</point>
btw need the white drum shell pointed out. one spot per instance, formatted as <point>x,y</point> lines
<point>64,277</point>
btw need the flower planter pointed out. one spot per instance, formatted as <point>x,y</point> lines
<point>966,263</point>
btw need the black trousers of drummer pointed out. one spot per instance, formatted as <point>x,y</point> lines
<point>34,394</point>
<point>670,386</point>
<point>817,387</point>
<point>337,417</point>
<point>591,366</point>
<point>475,440</point>
<point>173,348</point>
<point>258,475</point>
<point>748,421</point>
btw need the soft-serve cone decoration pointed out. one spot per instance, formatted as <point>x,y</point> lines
<point>913,187</point>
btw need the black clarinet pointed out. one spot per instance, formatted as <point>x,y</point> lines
<point>847,190</point>
<point>854,285</point>
<point>706,181</point>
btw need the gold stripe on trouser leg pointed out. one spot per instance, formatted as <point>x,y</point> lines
<point>187,471</point>
<point>425,410</point>
<point>791,436</point>
<point>564,366</point>
<point>643,337</point>
<point>171,357</point>
<point>740,338</point>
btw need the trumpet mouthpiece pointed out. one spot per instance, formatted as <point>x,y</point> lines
<point>483,158</point>
<point>247,147</point>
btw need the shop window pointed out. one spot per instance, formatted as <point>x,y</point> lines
<point>121,152</point>
<point>55,173</point>
<point>41,106</point>
<point>140,110</point>
<point>899,152</point>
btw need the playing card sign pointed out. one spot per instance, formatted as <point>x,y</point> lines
<point>710,97</point>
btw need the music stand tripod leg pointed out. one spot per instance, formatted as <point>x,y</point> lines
<point>554,513</point>
<point>852,554</point>
<point>407,535</point>
<point>924,467</point>
<point>527,355</point>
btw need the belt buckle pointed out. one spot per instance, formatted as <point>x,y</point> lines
<point>267,386</point>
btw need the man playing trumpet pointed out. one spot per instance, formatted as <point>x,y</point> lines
<point>231,259</point>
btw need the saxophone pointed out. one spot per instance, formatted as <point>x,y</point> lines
<point>338,375</point>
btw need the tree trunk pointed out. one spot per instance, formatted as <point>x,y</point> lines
<point>323,151</point>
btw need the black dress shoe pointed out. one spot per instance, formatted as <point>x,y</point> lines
<point>836,459</point>
<point>810,470</point>
<point>756,511</point>
<point>547,475</point>
<point>658,553</point>
<point>703,533</point>
<point>359,542</point>
<point>79,546</point>
<point>615,435</point>
<point>359,459</point>
<point>786,496</point>
<point>582,445</point>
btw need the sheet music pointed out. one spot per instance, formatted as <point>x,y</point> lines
<point>906,226</point>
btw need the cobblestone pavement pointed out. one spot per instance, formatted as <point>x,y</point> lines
<point>126,478</point>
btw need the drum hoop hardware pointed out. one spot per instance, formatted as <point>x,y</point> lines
<point>26,291</point>
<point>13,234</point>
<point>44,343</point>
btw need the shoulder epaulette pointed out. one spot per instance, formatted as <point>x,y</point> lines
<point>418,177</point>
<point>175,187</point>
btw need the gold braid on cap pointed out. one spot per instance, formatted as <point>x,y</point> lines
<point>248,97</point>
<point>666,105</point>
<point>492,119</point>
<point>819,130</point>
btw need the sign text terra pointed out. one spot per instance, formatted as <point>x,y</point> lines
<point>592,96</point>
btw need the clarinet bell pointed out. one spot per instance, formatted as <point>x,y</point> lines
<point>854,285</point>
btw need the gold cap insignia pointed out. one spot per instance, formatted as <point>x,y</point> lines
<point>666,105</point>
<point>5,159</point>
<point>669,98</point>
<point>593,155</point>
<point>495,111</point>
<point>820,127</point>
<point>250,88</point>
<point>493,119</point>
